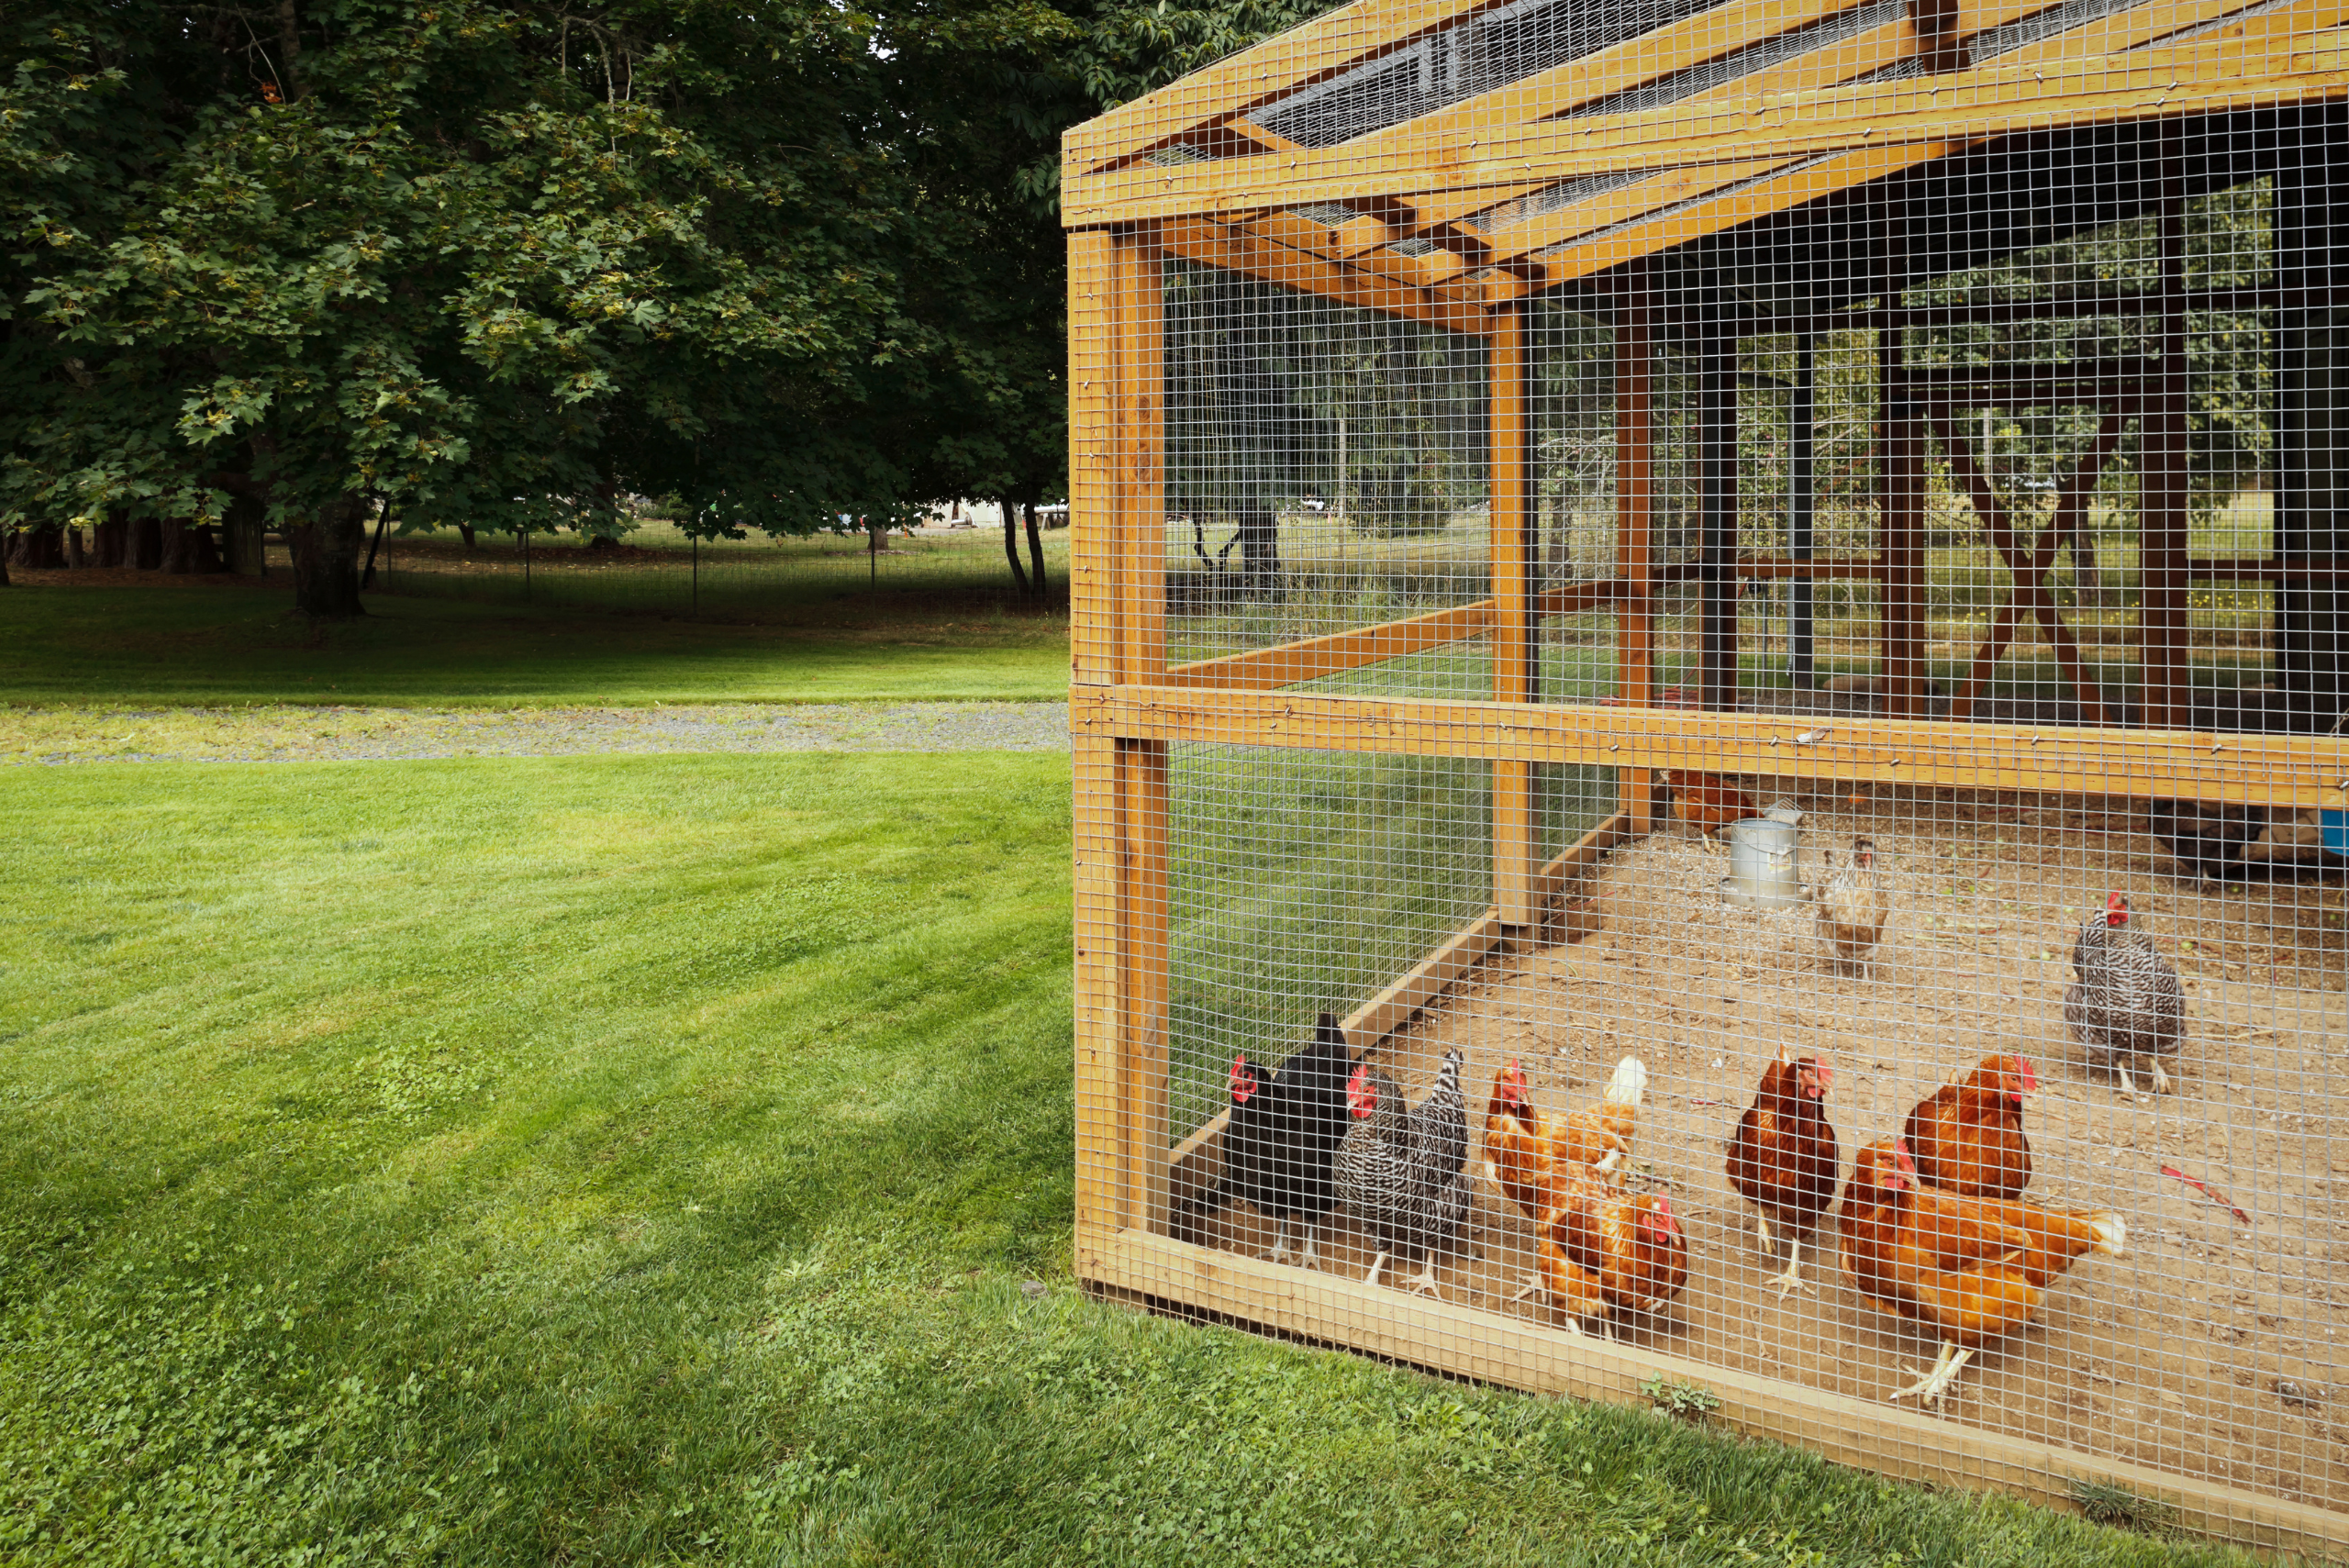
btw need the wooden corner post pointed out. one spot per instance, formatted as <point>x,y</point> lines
<point>1516,652</point>
<point>1118,636</point>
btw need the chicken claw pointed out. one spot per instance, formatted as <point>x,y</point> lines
<point>1762,1227</point>
<point>1311,1260</point>
<point>1375,1265</point>
<point>2161,1079</point>
<point>1790,1278</point>
<point>1279,1249</point>
<point>1424,1284</point>
<point>1934,1384</point>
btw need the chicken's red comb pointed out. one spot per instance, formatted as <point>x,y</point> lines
<point>2116,909</point>
<point>1901,1161</point>
<point>2029,1074</point>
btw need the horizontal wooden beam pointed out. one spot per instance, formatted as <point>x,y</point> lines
<point>1519,1352</point>
<point>1610,208</point>
<point>1241,249</point>
<point>1995,100</point>
<point>1287,663</point>
<point>2277,770</point>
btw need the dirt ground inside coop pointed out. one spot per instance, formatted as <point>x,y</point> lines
<point>2213,1348</point>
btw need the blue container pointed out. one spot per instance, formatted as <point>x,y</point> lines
<point>2334,825</point>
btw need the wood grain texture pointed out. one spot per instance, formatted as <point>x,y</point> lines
<point>1516,1352</point>
<point>2280,770</point>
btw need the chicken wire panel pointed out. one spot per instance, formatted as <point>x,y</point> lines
<point>1963,990</point>
<point>1326,470</point>
<point>1305,881</point>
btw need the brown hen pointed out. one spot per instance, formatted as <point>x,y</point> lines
<point>1973,1270</point>
<point>1784,1158</point>
<point>1968,1138</point>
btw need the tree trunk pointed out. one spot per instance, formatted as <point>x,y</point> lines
<point>38,550</point>
<point>75,556</point>
<point>240,537</point>
<point>146,546</point>
<point>1011,545</point>
<point>177,553</point>
<point>1036,553</point>
<point>325,559</point>
<point>203,554</point>
<point>4,568</point>
<point>110,542</point>
<point>465,531</point>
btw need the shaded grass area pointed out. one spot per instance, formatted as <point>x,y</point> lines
<point>212,641</point>
<point>639,1160</point>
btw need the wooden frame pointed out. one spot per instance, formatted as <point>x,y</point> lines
<point>1724,158</point>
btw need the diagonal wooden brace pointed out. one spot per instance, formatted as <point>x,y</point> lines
<point>2028,567</point>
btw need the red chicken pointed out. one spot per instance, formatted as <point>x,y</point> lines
<point>1525,1150</point>
<point>1784,1159</point>
<point>1971,1269</point>
<point>1966,1138</point>
<point>1707,803</point>
<point>1602,1248</point>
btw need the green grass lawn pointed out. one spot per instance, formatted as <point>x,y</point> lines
<point>639,1160</point>
<point>214,641</point>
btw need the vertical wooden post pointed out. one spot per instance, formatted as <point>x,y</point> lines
<point>1717,644</point>
<point>1138,269</point>
<point>2164,504</point>
<point>1142,968</point>
<point>1516,654</point>
<point>1634,518</point>
<point>1900,473</point>
<point>2311,230</point>
<point>1118,634</point>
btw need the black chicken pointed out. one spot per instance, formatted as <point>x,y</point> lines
<point>1278,1143</point>
<point>1402,1170</point>
<point>2127,1000</point>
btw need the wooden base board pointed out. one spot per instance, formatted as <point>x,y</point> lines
<point>1490,1347</point>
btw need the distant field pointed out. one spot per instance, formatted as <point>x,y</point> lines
<point>214,640</point>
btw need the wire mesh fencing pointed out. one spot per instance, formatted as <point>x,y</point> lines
<point>1711,721</point>
<point>655,569</point>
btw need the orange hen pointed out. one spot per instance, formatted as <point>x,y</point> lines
<point>1707,802</point>
<point>1524,1149</point>
<point>1603,1248</point>
<point>1971,1269</point>
<point>1966,1138</point>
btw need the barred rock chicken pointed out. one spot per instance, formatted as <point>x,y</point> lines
<point>1853,906</point>
<point>1707,802</point>
<point>1602,1248</point>
<point>1784,1159</point>
<point>2127,1001</point>
<point>1967,1137</point>
<point>1281,1137</point>
<point>1971,1269</point>
<point>1402,1170</point>
<point>1524,1149</point>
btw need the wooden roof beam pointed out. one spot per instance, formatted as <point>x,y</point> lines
<point>1392,290</point>
<point>2261,67</point>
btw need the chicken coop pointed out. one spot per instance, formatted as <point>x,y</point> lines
<point>1708,702</point>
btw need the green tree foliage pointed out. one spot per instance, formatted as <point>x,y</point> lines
<point>498,264</point>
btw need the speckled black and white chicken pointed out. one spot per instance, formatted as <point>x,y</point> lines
<point>2126,1003</point>
<point>1403,1170</point>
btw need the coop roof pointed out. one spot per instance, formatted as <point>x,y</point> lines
<point>1439,158</point>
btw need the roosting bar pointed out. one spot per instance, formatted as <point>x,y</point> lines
<point>1579,510</point>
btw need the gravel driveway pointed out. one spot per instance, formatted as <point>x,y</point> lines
<point>289,734</point>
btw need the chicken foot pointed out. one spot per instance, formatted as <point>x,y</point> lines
<point>2161,1079</point>
<point>1934,1384</point>
<point>1278,1252</point>
<point>1790,1278</point>
<point>1375,1265</point>
<point>1424,1283</point>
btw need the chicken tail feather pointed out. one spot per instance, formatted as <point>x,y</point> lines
<point>2111,1231</point>
<point>1630,1085</point>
